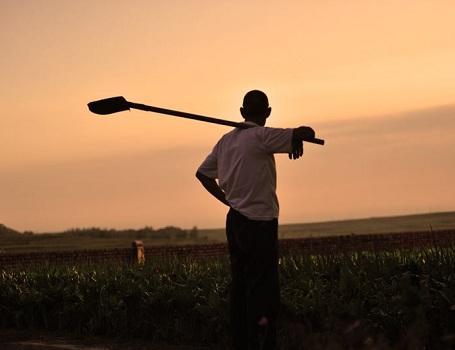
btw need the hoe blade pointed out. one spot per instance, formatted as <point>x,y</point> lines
<point>109,105</point>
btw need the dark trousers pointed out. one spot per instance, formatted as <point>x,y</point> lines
<point>255,293</point>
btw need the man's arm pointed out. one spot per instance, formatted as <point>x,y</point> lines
<point>212,187</point>
<point>298,136</point>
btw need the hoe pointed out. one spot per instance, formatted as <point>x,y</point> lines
<point>119,103</point>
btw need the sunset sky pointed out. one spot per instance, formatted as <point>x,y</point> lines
<point>376,79</point>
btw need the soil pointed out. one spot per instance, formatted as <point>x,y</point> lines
<point>11,339</point>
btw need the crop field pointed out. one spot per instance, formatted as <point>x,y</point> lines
<point>395,299</point>
<point>398,299</point>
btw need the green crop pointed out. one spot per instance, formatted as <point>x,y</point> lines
<point>355,298</point>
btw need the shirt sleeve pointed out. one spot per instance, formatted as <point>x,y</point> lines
<point>209,166</point>
<point>276,140</point>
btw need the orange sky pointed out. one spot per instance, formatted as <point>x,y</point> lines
<point>376,79</point>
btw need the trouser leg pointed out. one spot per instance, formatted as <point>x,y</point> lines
<point>253,247</point>
<point>263,285</point>
<point>238,298</point>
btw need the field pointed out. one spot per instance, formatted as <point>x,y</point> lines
<point>397,299</point>
<point>400,299</point>
<point>391,224</point>
<point>95,238</point>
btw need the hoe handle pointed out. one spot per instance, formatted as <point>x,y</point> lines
<point>203,118</point>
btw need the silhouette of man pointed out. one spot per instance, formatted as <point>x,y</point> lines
<point>243,162</point>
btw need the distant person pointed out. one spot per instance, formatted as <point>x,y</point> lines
<point>243,162</point>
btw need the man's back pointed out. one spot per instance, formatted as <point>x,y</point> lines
<point>244,164</point>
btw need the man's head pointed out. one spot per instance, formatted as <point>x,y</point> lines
<point>255,107</point>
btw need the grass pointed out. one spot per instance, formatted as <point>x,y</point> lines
<point>392,224</point>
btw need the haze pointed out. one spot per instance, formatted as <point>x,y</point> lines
<point>375,79</point>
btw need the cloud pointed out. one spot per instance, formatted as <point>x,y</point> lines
<point>439,119</point>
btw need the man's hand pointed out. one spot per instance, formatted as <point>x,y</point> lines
<point>303,133</point>
<point>212,187</point>
<point>298,136</point>
<point>297,149</point>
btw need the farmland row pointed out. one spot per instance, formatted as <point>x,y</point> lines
<point>310,245</point>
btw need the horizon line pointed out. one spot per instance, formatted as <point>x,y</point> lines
<point>222,228</point>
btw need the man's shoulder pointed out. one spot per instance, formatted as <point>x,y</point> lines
<point>257,133</point>
<point>240,133</point>
<point>230,134</point>
<point>227,137</point>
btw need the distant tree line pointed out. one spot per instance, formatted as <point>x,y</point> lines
<point>168,232</point>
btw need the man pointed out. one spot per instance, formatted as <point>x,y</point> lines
<point>243,162</point>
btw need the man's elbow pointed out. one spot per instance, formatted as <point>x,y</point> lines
<point>201,177</point>
<point>204,179</point>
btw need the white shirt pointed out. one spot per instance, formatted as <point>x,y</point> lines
<point>244,165</point>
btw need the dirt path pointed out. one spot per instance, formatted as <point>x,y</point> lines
<point>34,340</point>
